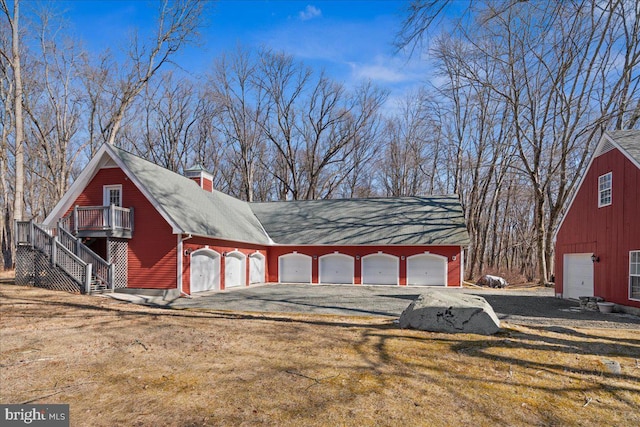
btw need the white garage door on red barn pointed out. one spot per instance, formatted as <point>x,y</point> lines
<point>234,270</point>
<point>336,268</point>
<point>577,276</point>
<point>205,270</point>
<point>380,269</point>
<point>294,268</point>
<point>427,270</point>
<point>256,268</point>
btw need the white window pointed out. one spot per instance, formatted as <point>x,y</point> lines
<point>604,190</point>
<point>634,275</point>
<point>112,195</point>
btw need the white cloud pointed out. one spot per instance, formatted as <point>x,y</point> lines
<point>388,69</point>
<point>351,51</point>
<point>309,12</point>
<point>378,73</point>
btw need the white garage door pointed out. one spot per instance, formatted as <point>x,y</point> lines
<point>578,276</point>
<point>294,268</point>
<point>205,271</point>
<point>336,268</point>
<point>427,270</point>
<point>234,268</point>
<point>256,268</point>
<point>380,269</point>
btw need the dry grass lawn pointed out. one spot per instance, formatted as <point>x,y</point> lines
<point>121,364</point>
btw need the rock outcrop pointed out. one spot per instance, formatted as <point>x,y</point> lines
<point>453,312</point>
<point>492,281</point>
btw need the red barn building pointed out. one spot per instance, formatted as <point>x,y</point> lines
<point>159,230</point>
<point>598,241</point>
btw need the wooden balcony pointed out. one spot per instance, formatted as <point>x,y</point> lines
<point>100,221</point>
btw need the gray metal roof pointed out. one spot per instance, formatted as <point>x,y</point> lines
<point>629,140</point>
<point>192,209</point>
<point>436,220</point>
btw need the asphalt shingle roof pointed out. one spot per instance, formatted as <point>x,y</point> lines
<point>436,220</point>
<point>629,140</point>
<point>192,209</point>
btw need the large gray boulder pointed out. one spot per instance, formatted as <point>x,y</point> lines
<point>492,281</point>
<point>438,311</point>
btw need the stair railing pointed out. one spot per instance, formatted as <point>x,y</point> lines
<point>102,269</point>
<point>59,255</point>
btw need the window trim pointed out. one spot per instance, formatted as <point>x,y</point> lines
<point>601,178</point>
<point>631,297</point>
<point>105,192</point>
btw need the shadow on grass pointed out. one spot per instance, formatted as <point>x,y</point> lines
<point>378,346</point>
<point>514,357</point>
<point>36,307</point>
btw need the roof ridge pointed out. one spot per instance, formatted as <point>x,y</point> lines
<point>165,170</point>
<point>433,196</point>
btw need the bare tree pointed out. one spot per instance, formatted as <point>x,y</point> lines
<point>283,81</point>
<point>359,164</point>
<point>563,72</point>
<point>332,119</point>
<point>208,149</point>
<point>558,60</point>
<point>13,19</point>
<point>313,124</point>
<point>110,96</point>
<point>405,138</point>
<point>167,125</point>
<point>241,116</point>
<point>421,16</point>
<point>53,106</point>
<point>6,124</point>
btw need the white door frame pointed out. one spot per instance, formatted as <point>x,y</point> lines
<point>106,196</point>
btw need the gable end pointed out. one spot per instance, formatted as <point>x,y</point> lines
<point>104,158</point>
<point>605,146</point>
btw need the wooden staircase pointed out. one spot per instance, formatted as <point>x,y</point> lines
<point>66,254</point>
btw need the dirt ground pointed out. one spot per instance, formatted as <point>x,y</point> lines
<point>123,364</point>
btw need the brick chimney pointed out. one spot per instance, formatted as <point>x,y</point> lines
<point>201,176</point>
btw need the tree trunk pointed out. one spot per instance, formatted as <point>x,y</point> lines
<point>18,201</point>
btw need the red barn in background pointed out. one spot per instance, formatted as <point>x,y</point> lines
<point>598,241</point>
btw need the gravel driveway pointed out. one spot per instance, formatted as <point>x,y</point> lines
<point>533,306</point>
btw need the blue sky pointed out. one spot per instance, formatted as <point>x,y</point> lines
<point>352,40</point>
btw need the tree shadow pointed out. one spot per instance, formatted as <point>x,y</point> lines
<point>34,307</point>
<point>548,311</point>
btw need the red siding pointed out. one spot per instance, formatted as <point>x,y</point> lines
<point>220,246</point>
<point>152,250</point>
<point>204,183</point>
<point>207,185</point>
<point>453,274</point>
<point>609,232</point>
